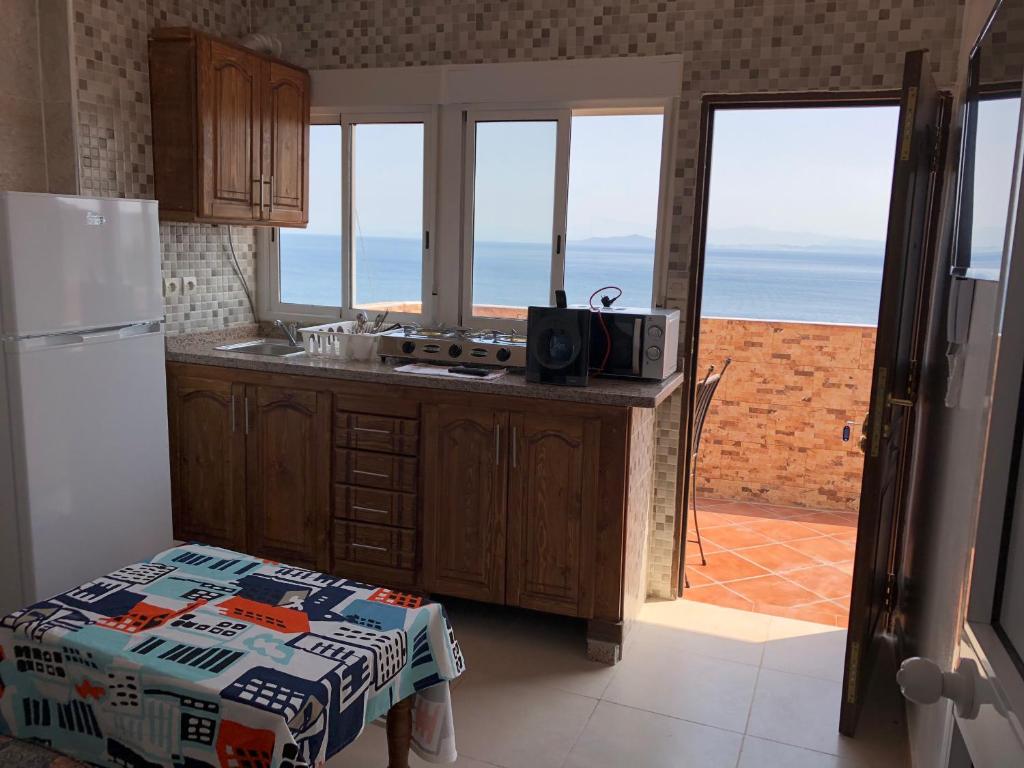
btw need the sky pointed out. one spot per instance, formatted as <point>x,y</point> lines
<point>823,172</point>
<point>778,177</point>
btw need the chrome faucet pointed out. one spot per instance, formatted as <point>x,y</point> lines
<point>289,331</point>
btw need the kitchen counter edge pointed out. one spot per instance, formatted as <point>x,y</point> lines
<point>198,349</point>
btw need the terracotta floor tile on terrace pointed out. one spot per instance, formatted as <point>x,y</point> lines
<point>823,580</point>
<point>828,523</point>
<point>825,549</point>
<point>804,576</point>
<point>716,594</point>
<point>728,566</point>
<point>778,557</point>
<point>736,537</point>
<point>782,530</point>
<point>773,590</point>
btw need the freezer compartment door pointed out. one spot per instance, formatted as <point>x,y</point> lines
<point>91,462</point>
<point>70,263</point>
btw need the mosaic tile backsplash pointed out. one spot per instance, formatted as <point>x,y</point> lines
<point>739,46</point>
<point>728,46</point>
<point>115,145</point>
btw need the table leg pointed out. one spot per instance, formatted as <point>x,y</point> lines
<point>399,733</point>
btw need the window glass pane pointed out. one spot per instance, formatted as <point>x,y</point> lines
<point>387,216</point>
<point>995,144</point>
<point>614,180</point>
<point>513,216</point>
<point>311,257</point>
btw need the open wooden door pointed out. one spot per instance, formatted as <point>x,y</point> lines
<point>906,278</point>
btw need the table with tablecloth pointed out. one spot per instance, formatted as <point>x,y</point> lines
<point>206,657</point>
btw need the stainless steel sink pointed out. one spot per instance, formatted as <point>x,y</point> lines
<point>263,347</point>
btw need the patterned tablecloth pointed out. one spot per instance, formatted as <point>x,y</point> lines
<point>206,657</point>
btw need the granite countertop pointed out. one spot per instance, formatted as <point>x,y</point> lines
<point>198,348</point>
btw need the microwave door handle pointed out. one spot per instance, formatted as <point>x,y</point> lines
<point>637,339</point>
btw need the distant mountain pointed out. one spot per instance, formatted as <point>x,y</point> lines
<point>773,239</point>
<point>631,242</point>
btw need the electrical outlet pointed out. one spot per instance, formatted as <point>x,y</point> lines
<point>172,287</point>
<point>189,285</point>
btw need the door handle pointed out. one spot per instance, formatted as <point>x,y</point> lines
<point>232,413</point>
<point>371,430</point>
<point>260,182</point>
<point>271,194</point>
<point>246,405</point>
<point>923,682</point>
<point>515,452</point>
<point>497,445</point>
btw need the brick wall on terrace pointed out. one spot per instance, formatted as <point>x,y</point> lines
<point>774,432</point>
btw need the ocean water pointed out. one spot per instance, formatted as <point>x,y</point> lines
<point>764,284</point>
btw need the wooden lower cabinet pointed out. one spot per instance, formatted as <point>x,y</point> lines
<point>288,447</point>
<point>207,461</point>
<point>504,500</point>
<point>552,499</point>
<point>465,469</point>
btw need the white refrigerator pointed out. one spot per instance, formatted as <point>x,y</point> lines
<point>84,469</point>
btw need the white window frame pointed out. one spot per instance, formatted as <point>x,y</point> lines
<point>269,243</point>
<point>471,117</point>
<point>442,95</point>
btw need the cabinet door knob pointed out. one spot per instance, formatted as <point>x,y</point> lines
<point>923,682</point>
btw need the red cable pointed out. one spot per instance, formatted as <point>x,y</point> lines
<point>604,326</point>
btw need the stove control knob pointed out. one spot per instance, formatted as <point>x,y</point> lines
<point>454,350</point>
<point>408,347</point>
<point>502,355</point>
<point>655,332</point>
<point>653,353</point>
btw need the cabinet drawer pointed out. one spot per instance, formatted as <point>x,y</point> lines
<point>374,545</point>
<point>374,470</point>
<point>373,505</point>
<point>376,433</point>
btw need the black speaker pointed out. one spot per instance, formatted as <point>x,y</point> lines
<point>558,346</point>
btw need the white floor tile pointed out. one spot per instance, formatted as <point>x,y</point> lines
<point>370,750</point>
<point>805,648</point>
<point>669,679</point>
<point>804,712</point>
<point>515,725</point>
<point>619,736</point>
<point>760,753</point>
<point>710,630</point>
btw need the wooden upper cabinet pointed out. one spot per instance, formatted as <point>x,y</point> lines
<point>464,463</point>
<point>285,144</point>
<point>552,497</point>
<point>288,472</point>
<point>230,87</point>
<point>207,461</point>
<point>230,132</point>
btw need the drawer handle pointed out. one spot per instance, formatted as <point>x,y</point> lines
<point>370,474</point>
<point>356,545</point>
<point>370,509</point>
<point>371,430</point>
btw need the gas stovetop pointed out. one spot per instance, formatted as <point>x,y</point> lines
<point>452,344</point>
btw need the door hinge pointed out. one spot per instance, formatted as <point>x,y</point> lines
<point>889,596</point>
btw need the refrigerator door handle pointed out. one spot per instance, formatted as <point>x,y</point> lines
<point>90,337</point>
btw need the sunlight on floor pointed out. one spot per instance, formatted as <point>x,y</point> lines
<point>700,685</point>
